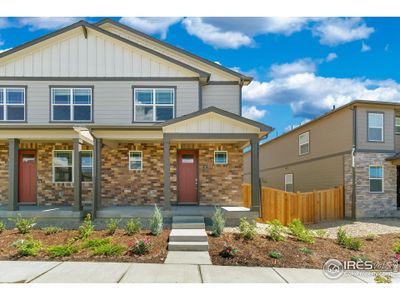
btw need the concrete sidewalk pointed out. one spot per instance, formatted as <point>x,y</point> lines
<point>96,272</point>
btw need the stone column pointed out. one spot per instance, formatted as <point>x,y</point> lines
<point>77,176</point>
<point>13,146</point>
<point>255,174</point>
<point>96,176</point>
<point>167,179</point>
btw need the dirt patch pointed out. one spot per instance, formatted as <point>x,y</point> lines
<point>255,252</point>
<point>157,254</point>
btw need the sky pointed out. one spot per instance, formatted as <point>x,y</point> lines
<point>302,67</point>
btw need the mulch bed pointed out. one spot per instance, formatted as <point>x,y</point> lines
<point>157,254</point>
<point>255,252</point>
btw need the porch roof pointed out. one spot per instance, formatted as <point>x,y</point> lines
<point>395,159</point>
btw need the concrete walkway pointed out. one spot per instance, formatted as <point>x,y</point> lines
<point>96,272</point>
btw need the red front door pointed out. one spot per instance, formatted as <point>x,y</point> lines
<point>27,176</point>
<point>187,176</point>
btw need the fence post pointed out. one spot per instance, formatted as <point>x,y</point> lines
<point>317,207</point>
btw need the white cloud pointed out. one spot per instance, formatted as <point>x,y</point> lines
<point>299,66</point>
<point>4,23</point>
<point>331,56</point>
<point>214,36</point>
<point>4,50</point>
<point>293,126</point>
<point>253,113</point>
<point>151,25</point>
<point>37,23</point>
<point>365,47</point>
<point>335,31</point>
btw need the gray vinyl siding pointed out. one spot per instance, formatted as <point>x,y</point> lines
<point>397,142</point>
<point>388,143</point>
<point>226,97</point>
<point>112,100</point>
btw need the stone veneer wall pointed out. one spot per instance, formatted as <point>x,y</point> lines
<point>218,185</point>
<point>348,185</point>
<point>375,204</point>
<point>48,193</point>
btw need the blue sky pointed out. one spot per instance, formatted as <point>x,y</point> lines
<point>301,66</point>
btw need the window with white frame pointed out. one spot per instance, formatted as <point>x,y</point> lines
<point>86,165</point>
<point>153,104</point>
<point>62,166</point>
<point>12,104</point>
<point>304,143</point>
<point>375,127</point>
<point>71,104</point>
<point>397,125</point>
<point>135,160</point>
<point>288,182</point>
<point>375,179</point>
<point>220,157</point>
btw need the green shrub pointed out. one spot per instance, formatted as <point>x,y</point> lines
<point>347,241</point>
<point>51,230</point>
<point>383,278</point>
<point>132,226</point>
<point>139,247</point>
<point>300,232</point>
<point>109,250</point>
<point>321,233</point>
<point>2,227</point>
<point>96,243</point>
<point>86,229</point>
<point>156,223</point>
<point>228,251</point>
<point>27,247</point>
<point>62,250</point>
<point>275,254</point>
<point>23,225</point>
<point>360,258</point>
<point>306,251</point>
<point>112,226</point>
<point>396,248</point>
<point>276,231</point>
<point>371,236</point>
<point>218,222</point>
<point>247,230</point>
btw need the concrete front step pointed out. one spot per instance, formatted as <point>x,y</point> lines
<point>188,226</point>
<point>188,235</point>
<point>188,222</point>
<point>188,246</point>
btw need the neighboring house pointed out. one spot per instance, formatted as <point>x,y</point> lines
<point>358,142</point>
<point>104,115</point>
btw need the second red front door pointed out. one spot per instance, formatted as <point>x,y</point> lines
<point>187,176</point>
<point>27,176</point>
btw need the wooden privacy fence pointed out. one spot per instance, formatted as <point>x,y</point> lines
<point>309,207</point>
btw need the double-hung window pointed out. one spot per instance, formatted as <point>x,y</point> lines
<point>153,104</point>
<point>12,104</point>
<point>87,165</point>
<point>397,125</point>
<point>304,143</point>
<point>135,160</point>
<point>62,166</point>
<point>288,182</point>
<point>375,179</point>
<point>71,104</point>
<point>375,127</point>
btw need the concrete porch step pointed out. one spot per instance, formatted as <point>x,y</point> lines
<point>188,246</point>
<point>188,235</point>
<point>188,222</point>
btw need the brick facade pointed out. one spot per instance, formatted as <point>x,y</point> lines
<point>348,185</point>
<point>4,174</point>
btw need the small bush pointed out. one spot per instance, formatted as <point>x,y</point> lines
<point>300,232</point>
<point>396,248</point>
<point>360,258</point>
<point>321,233</point>
<point>96,243</point>
<point>139,247</point>
<point>2,227</point>
<point>86,229</point>
<point>276,231</point>
<point>24,225</point>
<point>109,250</point>
<point>218,222</point>
<point>27,247</point>
<point>132,227</point>
<point>62,250</point>
<point>247,230</point>
<point>347,241</point>
<point>112,226</point>
<point>228,251</point>
<point>275,254</point>
<point>306,251</point>
<point>51,230</point>
<point>156,223</point>
<point>383,278</point>
<point>370,237</point>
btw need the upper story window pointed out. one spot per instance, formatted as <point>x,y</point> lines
<point>397,125</point>
<point>375,127</point>
<point>153,104</point>
<point>12,104</point>
<point>71,104</point>
<point>304,143</point>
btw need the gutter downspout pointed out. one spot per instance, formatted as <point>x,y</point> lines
<point>353,164</point>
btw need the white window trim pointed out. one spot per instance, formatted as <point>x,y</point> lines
<point>308,142</point>
<point>141,160</point>
<point>71,104</point>
<point>53,167</point>
<point>383,179</point>
<point>154,105</point>
<point>395,124</point>
<point>5,105</point>
<point>91,154</point>
<point>226,154</point>
<point>380,127</point>
<point>286,183</point>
